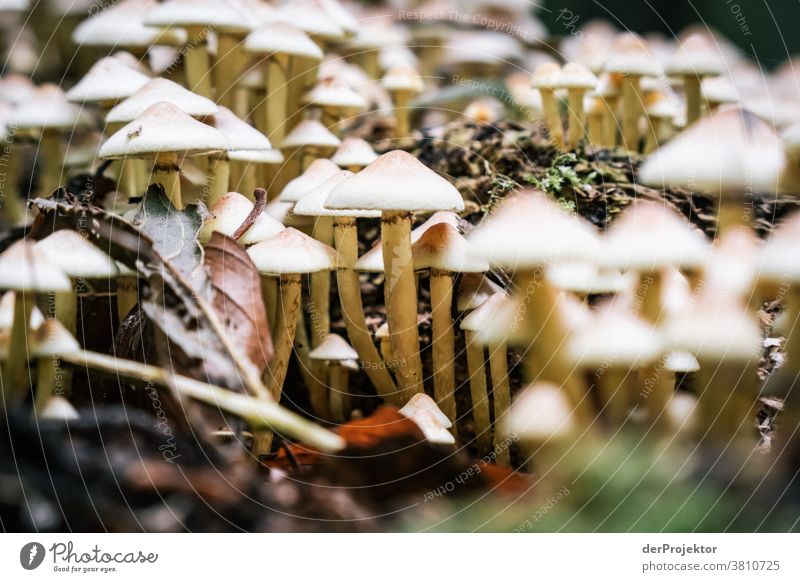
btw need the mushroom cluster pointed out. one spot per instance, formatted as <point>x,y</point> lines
<point>293,125</point>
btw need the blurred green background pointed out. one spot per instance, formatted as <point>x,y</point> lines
<point>762,28</point>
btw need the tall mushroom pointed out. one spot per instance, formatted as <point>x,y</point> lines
<point>345,236</point>
<point>164,132</point>
<point>445,252</point>
<point>546,78</point>
<point>578,81</point>
<point>398,184</point>
<point>694,60</point>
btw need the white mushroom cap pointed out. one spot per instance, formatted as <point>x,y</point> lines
<point>58,408</point>
<point>403,78</point>
<point>659,106</point>
<point>726,153</point>
<point>527,230</point>
<point>680,361</point>
<point>629,55</point>
<point>240,134</point>
<point>16,88</point>
<point>696,56</point>
<point>76,256</point>
<point>7,313</point>
<point>315,175</point>
<point>731,269</point>
<point>547,76</point>
<point>108,80</point>
<point>292,252</point>
<point>52,339</point>
<point>312,17</point>
<point>780,261</point>
<point>433,423</point>
<point>354,152</point>
<point>397,56</point>
<point>396,181</point>
<point>163,128</point>
<point>23,267</point>
<point>585,278</point>
<point>442,247</point>
<point>158,90</point>
<point>576,76</point>
<point>230,212</point>
<point>310,133</point>
<point>483,315</point>
<point>482,48</point>
<point>474,289</point>
<point>334,348</point>
<point>542,414</point>
<point>48,108</point>
<point>651,235</point>
<point>256,156</point>
<point>720,90</point>
<point>214,14</point>
<point>121,25</point>
<point>313,203</point>
<point>282,212</point>
<point>616,339</point>
<point>330,93</point>
<point>282,38</point>
<point>717,328</point>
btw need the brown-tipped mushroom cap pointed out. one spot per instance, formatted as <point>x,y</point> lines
<point>292,252</point>
<point>528,229</point>
<point>23,267</point>
<point>334,348</point>
<point>158,90</point>
<point>163,128</point>
<point>442,247</point>
<point>76,256</point>
<point>230,212</point>
<point>108,80</point>
<point>396,181</point>
<point>315,175</point>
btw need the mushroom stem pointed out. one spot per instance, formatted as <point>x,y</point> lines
<point>631,111</point>
<point>257,412</point>
<point>577,128</point>
<point>730,214</point>
<point>369,60</point>
<point>552,117</point>
<point>197,62</point>
<point>346,242</point>
<point>400,290</point>
<point>478,390</point>
<point>386,351</point>
<point>269,293</point>
<point>443,342</point>
<point>402,113</point>
<point>66,311</point>
<point>321,286</point>
<point>285,325</point>
<point>277,81</point>
<point>167,172</point>
<point>501,393</point>
<point>613,392</point>
<point>298,72</point>
<point>317,390</point>
<point>227,68</point>
<point>727,397</point>
<point>610,125</point>
<point>219,175</point>
<point>595,129</point>
<point>338,388</point>
<point>52,159</point>
<point>694,98</point>
<point>15,371</point>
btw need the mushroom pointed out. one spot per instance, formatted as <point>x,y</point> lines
<point>155,91</point>
<point>577,80</point>
<point>309,141</point>
<point>660,112</point>
<point>163,132</point>
<point>108,81</point>
<point>444,251</point>
<point>728,155</point>
<point>526,232</point>
<point>317,172</point>
<point>279,43</point>
<point>718,91</point>
<point>473,290</point>
<point>24,270</point>
<point>228,215</point>
<point>47,113</point>
<point>245,165</point>
<point>198,18</point>
<point>289,255</point>
<point>354,154</point>
<point>695,59</point>
<point>403,83</point>
<point>473,325</point>
<point>336,101</point>
<point>609,89</point>
<point>630,58</point>
<point>241,136</point>
<point>546,78</point>
<point>334,350</point>
<point>431,421</point>
<point>345,237</point>
<point>398,184</point>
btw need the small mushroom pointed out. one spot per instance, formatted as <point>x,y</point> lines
<point>354,154</point>
<point>335,351</point>
<point>695,59</point>
<point>403,83</point>
<point>577,80</point>
<point>546,78</point>
<point>431,421</point>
